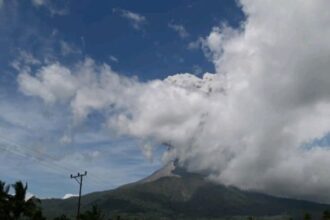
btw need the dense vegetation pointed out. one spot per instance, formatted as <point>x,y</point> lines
<point>17,206</point>
<point>13,207</point>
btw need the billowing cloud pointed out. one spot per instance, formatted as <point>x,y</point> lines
<point>137,21</point>
<point>52,83</point>
<point>247,124</point>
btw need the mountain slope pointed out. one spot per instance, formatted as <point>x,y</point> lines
<point>173,192</point>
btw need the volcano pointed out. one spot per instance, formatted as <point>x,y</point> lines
<point>174,193</point>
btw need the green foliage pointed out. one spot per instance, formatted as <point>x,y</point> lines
<point>94,214</point>
<point>307,216</point>
<point>13,207</point>
<point>62,217</point>
<point>326,215</point>
<point>4,198</point>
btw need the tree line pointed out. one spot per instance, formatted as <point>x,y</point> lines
<point>16,206</point>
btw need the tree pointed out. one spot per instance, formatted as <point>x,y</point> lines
<point>4,196</point>
<point>307,216</point>
<point>94,214</point>
<point>37,215</point>
<point>62,217</point>
<point>17,201</point>
<point>326,215</point>
<point>13,207</point>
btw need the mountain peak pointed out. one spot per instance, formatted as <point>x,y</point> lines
<point>166,171</point>
<point>171,169</point>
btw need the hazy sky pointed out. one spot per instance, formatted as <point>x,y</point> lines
<point>238,89</point>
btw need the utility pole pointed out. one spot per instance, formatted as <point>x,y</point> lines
<point>79,179</point>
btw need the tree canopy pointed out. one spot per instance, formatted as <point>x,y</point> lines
<point>16,206</point>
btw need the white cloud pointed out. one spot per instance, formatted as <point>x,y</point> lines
<point>55,8</point>
<point>24,60</point>
<point>136,20</point>
<point>52,83</point>
<point>69,195</point>
<point>66,139</point>
<point>86,86</point>
<point>28,196</point>
<point>67,48</point>
<point>197,70</point>
<point>193,45</point>
<point>246,123</point>
<point>180,29</point>
<point>38,2</point>
<point>114,59</point>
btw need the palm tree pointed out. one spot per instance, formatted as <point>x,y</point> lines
<point>4,189</point>
<point>17,201</point>
<point>13,207</point>
<point>4,206</point>
<point>20,206</point>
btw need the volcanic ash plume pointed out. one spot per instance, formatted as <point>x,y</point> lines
<point>255,123</point>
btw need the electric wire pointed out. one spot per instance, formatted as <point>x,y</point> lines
<point>47,160</point>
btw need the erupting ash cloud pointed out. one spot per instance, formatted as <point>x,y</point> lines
<point>248,124</point>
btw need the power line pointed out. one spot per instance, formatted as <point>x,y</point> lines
<point>54,166</point>
<point>79,179</point>
<point>24,155</point>
<point>50,161</point>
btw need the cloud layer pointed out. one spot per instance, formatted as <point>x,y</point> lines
<point>246,125</point>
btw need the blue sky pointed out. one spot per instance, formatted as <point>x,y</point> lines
<point>144,39</point>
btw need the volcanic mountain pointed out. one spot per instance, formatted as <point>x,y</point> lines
<point>174,193</point>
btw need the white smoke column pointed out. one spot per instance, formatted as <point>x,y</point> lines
<point>246,124</point>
